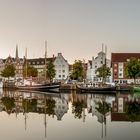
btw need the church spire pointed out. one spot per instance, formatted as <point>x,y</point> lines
<point>16,51</point>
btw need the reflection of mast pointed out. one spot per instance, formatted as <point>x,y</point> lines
<point>84,116</point>
<point>103,122</point>
<point>45,119</point>
<point>25,114</point>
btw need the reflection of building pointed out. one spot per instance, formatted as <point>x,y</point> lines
<point>118,64</point>
<point>61,107</point>
<point>118,109</point>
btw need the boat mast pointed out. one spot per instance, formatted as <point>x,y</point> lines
<point>45,59</point>
<point>26,63</point>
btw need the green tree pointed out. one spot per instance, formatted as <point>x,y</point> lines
<point>9,71</point>
<point>132,68</point>
<point>103,72</point>
<point>51,72</point>
<point>78,71</point>
<point>30,70</point>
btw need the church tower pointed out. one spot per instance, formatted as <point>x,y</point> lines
<point>16,57</point>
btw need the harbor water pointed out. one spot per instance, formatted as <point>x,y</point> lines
<point>69,116</point>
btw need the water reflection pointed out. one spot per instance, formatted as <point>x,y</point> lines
<point>120,107</point>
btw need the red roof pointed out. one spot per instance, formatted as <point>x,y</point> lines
<point>122,57</point>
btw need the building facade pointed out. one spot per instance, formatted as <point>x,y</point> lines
<point>94,64</point>
<point>61,67</point>
<point>118,61</point>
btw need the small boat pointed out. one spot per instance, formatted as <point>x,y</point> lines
<point>91,89</point>
<point>30,85</point>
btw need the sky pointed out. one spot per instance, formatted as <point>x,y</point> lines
<point>76,28</point>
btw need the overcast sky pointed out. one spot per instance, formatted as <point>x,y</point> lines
<point>76,28</point>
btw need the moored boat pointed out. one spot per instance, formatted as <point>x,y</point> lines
<point>30,85</point>
<point>91,89</point>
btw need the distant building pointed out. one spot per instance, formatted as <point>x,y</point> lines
<point>118,67</point>
<point>1,66</point>
<point>94,64</point>
<point>61,67</point>
<point>39,64</point>
<point>17,62</point>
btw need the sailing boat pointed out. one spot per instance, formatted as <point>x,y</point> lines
<point>29,84</point>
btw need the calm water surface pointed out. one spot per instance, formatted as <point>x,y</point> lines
<point>54,116</point>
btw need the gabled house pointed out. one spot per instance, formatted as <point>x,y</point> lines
<point>61,67</point>
<point>94,64</point>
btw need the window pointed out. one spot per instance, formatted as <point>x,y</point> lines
<point>59,76</point>
<point>63,71</point>
<point>115,65</point>
<point>120,69</point>
<point>120,74</point>
<point>101,62</point>
<point>63,76</point>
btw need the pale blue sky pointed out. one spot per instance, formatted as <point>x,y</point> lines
<point>76,28</point>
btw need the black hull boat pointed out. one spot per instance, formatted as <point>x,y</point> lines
<point>40,87</point>
<point>84,89</point>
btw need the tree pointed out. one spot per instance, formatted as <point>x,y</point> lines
<point>30,70</point>
<point>9,71</point>
<point>78,71</point>
<point>51,72</point>
<point>132,68</point>
<point>103,72</point>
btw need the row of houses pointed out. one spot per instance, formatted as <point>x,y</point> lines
<point>63,68</point>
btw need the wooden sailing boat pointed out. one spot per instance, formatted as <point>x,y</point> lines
<point>28,84</point>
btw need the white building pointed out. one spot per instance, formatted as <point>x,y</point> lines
<point>94,64</point>
<point>61,67</point>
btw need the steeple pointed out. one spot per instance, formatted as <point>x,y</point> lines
<point>16,52</point>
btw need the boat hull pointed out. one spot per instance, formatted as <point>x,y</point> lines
<point>95,90</point>
<point>43,87</point>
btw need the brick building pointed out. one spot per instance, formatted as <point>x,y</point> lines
<point>118,61</point>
